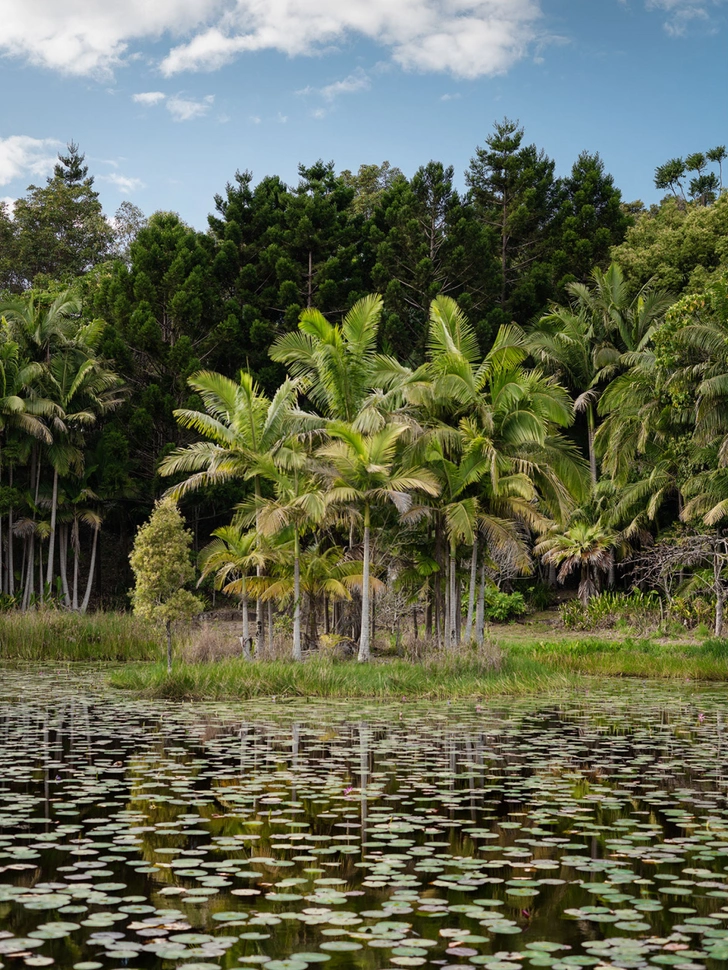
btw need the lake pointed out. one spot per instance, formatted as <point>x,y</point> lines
<point>583,829</point>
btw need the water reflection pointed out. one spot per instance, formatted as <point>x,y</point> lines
<point>571,830</point>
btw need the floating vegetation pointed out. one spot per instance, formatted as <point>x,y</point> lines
<point>566,831</point>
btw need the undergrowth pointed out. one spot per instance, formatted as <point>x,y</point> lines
<point>54,635</point>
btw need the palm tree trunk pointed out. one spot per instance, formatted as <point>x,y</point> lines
<point>52,537</point>
<point>30,577</point>
<point>11,562</point>
<point>63,553</point>
<point>246,624</point>
<point>296,596</point>
<point>74,543</point>
<point>259,645</point>
<point>471,592</point>
<point>480,609</point>
<point>719,593</point>
<point>91,569</point>
<point>453,599</point>
<point>364,652</point>
<point>591,425</point>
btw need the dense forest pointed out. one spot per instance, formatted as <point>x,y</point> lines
<point>367,383</point>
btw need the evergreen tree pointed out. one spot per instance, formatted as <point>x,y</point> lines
<point>60,228</point>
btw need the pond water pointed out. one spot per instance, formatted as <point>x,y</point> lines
<point>569,830</point>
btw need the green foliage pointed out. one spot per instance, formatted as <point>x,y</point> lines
<point>501,607</point>
<point>161,564</point>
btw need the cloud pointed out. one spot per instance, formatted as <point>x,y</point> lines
<point>466,38</point>
<point>21,155</point>
<point>186,109</point>
<point>86,37</point>
<point>125,184</point>
<point>148,97</point>
<point>358,81</point>
<point>450,97</point>
<point>681,13</point>
<point>9,203</point>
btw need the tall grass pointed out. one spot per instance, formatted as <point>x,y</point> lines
<point>525,668</point>
<point>236,679</point>
<point>631,658</point>
<point>52,635</point>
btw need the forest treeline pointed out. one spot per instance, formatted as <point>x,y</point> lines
<point>550,359</point>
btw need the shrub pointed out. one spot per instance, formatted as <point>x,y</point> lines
<point>641,611</point>
<point>501,607</point>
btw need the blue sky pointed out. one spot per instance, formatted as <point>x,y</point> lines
<point>168,98</point>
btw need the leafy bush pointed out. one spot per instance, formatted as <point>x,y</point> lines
<point>501,607</point>
<point>637,610</point>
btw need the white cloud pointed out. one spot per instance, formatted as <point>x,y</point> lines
<point>681,13</point>
<point>9,203</point>
<point>358,81</point>
<point>88,37</point>
<point>125,184</point>
<point>467,38</point>
<point>186,109</point>
<point>21,155</point>
<point>148,97</point>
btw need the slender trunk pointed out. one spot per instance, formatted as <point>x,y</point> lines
<point>364,653</point>
<point>11,561</point>
<point>591,425</point>
<point>719,593</point>
<point>453,599</point>
<point>270,628</point>
<point>296,596</point>
<point>471,592</point>
<point>327,626</point>
<point>480,609</point>
<point>63,553</point>
<point>168,628</point>
<point>246,625</point>
<point>447,610</point>
<point>259,648</point>
<point>428,617</point>
<point>41,587</point>
<point>91,568</point>
<point>29,590</point>
<point>74,542</point>
<point>414,623</point>
<point>52,536</point>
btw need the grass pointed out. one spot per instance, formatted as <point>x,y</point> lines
<point>526,667</point>
<point>629,657</point>
<point>53,635</point>
<point>518,659</point>
<point>236,679</point>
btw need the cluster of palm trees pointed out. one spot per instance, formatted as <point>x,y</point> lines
<point>54,386</point>
<point>362,469</point>
<point>568,446</point>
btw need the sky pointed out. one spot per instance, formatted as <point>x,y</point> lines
<point>168,98</point>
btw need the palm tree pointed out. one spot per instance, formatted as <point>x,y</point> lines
<point>583,547</point>
<point>232,556</point>
<point>361,471</point>
<point>586,341</point>
<point>82,388</point>
<point>322,574</point>
<point>298,502</point>
<point>242,427</point>
<point>334,362</point>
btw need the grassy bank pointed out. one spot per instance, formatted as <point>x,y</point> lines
<point>235,679</point>
<point>52,635</point>
<point>525,667</point>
